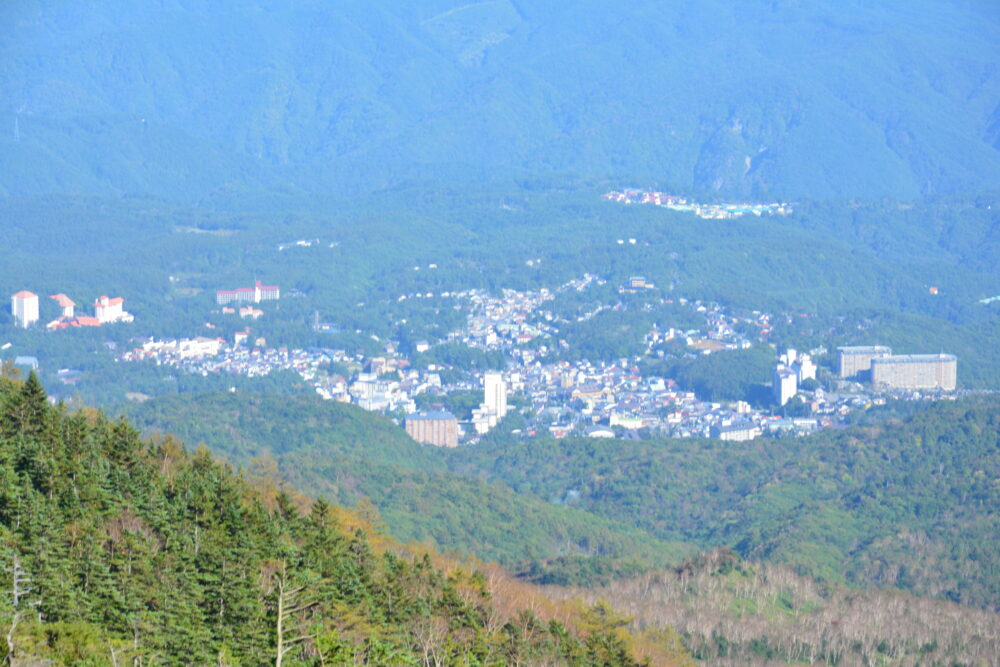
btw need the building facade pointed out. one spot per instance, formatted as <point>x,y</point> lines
<point>107,310</point>
<point>736,432</point>
<point>433,428</point>
<point>784,384</point>
<point>805,367</point>
<point>857,360</point>
<point>254,294</point>
<point>199,347</point>
<point>24,308</point>
<point>495,393</point>
<point>916,371</point>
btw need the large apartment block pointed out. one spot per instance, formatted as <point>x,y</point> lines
<point>856,360</point>
<point>916,371</point>
<point>254,294</point>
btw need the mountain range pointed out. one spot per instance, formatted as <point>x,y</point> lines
<point>768,99</point>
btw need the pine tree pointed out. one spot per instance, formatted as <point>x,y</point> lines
<point>33,404</point>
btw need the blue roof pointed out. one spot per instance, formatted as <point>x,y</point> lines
<point>440,414</point>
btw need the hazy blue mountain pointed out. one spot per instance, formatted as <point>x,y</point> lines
<point>186,98</point>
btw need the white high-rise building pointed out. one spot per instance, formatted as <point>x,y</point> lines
<point>495,390</point>
<point>805,367</point>
<point>784,384</point>
<point>789,357</point>
<point>24,308</point>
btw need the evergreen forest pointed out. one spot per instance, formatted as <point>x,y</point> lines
<point>119,550</point>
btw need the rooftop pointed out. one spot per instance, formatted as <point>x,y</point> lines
<point>63,300</point>
<point>737,426</point>
<point>437,415</point>
<point>914,358</point>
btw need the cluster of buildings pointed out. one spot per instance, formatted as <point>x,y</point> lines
<point>635,285</point>
<point>383,384</point>
<point>442,428</point>
<point>24,307</point>
<point>494,405</point>
<point>877,364</point>
<point>705,211</point>
<point>721,329</point>
<point>508,321</point>
<point>245,312</point>
<point>512,318</point>
<point>303,243</point>
<point>499,322</point>
<point>601,399</point>
<point>792,369</point>
<point>205,355</point>
<point>607,399</point>
<point>171,350</point>
<point>578,397</point>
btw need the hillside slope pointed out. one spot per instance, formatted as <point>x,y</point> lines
<point>346,455</point>
<point>904,501</point>
<point>733,612</point>
<point>767,98</point>
<point>115,549</point>
<point>910,502</point>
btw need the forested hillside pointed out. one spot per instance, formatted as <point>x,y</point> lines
<point>346,455</point>
<point>910,503</point>
<point>905,501</point>
<point>117,550</point>
<point>219,100</point>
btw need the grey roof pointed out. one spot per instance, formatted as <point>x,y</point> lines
<point>737,426</point>
<point>914,358</point>
<point>864,349</point>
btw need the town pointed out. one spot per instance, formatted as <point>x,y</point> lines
<point>705,211</point>
<point>564,397</point>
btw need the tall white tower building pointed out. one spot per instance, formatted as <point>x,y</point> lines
<point>784,384</point>
<point>495,390</point>
<point>24,308</point>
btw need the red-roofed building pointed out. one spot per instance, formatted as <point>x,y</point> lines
<point>86,321</point>
<point>265,292</point>
<point>67,304</point>
<point>110,310</point>
<point>254,294</point>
